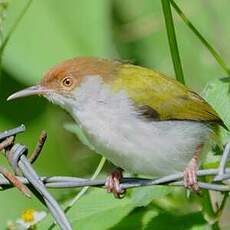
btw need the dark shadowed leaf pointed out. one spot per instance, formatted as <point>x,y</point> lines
<point>165,221</point>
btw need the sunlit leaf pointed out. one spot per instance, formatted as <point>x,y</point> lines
<point>100,210</point>
<point>144,195</point>
<point>217,94</point>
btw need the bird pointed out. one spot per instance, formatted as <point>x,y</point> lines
<point>139,119</point>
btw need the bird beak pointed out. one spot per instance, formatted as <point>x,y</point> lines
<point>34,90</point>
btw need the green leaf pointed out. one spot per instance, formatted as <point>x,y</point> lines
<point>52,31</point>
<point>201,227</point>
<point>142,196</point>
<point>132,221</point>
<point>73,128</point>
<point>165,221</point>
<point>169,23</point>
<point>97,210</point>
<point>137,219</point>
<point>100,210</point>
<point>217,94</point>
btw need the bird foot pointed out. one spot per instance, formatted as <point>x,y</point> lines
<point>112,184</point>
<point>190,176</point>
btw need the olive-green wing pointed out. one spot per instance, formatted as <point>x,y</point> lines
<point>163,97</point>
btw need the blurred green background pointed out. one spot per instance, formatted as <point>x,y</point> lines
<point>54,30</point>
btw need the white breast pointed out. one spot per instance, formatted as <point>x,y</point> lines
<point>116,130</point>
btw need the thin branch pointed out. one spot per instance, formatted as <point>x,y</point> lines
<point>7,142</point>
<point>7,174</point>
<point>15,182</point>
<point>35,154</point>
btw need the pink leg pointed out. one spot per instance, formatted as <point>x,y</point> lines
<point>190,173</point>
<point>112,183</point>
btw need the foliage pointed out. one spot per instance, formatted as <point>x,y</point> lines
<point>54,30</point>
<point>99,210</point>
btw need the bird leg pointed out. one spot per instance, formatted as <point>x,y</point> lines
<point>190,173</point>
<point>112,183</point>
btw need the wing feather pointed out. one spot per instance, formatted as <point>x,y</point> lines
<point>167,97</point>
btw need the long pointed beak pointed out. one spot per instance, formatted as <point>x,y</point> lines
<point>34,90</point>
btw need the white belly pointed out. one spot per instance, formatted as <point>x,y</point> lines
<point>115,129</point>
<point>148,149</point>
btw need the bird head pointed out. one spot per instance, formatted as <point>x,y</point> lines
<point>62,81</point>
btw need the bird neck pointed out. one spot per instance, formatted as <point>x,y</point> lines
<point>94,98</point>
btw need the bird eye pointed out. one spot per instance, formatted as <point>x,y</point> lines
<point>67,81</point>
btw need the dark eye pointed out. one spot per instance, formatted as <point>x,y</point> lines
<point>67,81</point>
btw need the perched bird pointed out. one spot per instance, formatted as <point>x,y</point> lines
<point>139,119</point>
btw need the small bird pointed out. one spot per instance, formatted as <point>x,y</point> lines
<point>139,119</point>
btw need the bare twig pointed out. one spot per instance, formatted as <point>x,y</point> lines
<point>7,174</point>
<point>15,181</point>
<point>35,154</point>
<point>7,142</point>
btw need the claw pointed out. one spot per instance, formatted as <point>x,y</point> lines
<point>190,173</point>
<point>190,178</point>
<point>112,184</point>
